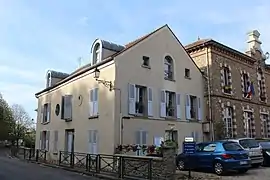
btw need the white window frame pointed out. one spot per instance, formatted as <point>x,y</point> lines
<point>248,125</point>
<point>228,121</point>
<point>265,125</point>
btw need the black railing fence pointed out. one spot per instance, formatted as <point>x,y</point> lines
<point>98,164</point>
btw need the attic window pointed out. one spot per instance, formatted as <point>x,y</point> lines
<point>97,53</point>
<point>146,61</point>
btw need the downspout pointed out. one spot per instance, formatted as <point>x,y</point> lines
<point>209,98</point>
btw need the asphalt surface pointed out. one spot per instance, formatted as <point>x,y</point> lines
<point>14,169</point>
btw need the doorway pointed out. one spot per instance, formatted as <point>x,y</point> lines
<point>69,145</point>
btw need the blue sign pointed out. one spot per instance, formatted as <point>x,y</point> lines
<point>189,147</point>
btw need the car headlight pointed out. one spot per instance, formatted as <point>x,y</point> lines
<point>268,153</point>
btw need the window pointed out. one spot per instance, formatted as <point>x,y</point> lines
<point>46,113</point>
<point>193,107</point>
<point>228,116</point>
<point>66,107</point>
<point>93,102</point>
<point>261,82</point>
<point>205,147</point>
<point>249,143</point>
<point>141,139</point>
<point>57,109</point>
<point>140,100</point>
<point>146,61</point>
<point>187,73</point>
<point>248,124</point>
<point>49,79</point>
<point>170,104</point>
<point>246,84</point>
<point>265,127</point>
<point>232,146</point>
<point>44,140</point>
<point>168,68</point>
<point>226,79</point>
<point>97,54</point>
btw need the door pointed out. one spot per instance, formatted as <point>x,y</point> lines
<point>70,140</point>
<point>205,155</point>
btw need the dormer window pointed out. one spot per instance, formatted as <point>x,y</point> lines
<point>49,79</point>
<point>97,53</point>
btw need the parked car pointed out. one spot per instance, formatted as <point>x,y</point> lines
<point>265,144</point>
<point>254,150</point>
<point>220,156</point>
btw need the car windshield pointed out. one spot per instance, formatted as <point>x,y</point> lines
<point>232,146</point>
<point>249,143</point>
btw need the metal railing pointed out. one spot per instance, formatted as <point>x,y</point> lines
<point>98,164</point>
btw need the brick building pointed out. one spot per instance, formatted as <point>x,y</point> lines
<point>234,111</point>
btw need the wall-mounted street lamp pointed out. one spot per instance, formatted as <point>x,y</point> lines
<point>107,84</point>
<point>266,55</point>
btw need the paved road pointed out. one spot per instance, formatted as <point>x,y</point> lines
<point>14,169</point>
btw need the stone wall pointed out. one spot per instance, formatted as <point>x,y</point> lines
<point>145,166</point>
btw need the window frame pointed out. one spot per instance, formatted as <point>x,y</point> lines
<point>168,68</point>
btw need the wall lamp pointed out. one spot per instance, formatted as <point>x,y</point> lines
<point>107,84</point>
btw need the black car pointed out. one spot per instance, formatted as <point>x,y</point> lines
<point>265,144</point>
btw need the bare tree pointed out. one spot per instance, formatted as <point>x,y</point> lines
<point>22,122</point>
<point>6,119</point>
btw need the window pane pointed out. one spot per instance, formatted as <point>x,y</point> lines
<point>232,146</point>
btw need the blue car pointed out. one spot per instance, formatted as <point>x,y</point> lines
<point>220,156</point>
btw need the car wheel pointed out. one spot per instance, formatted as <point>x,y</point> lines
<point>181,165</point>
<point>242,170</point>
<point>256,165</point>
<point>218,168</point>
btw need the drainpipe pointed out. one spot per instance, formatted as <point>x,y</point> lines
<point>209,98</point>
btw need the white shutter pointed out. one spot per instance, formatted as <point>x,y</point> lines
<point>131,99</point>
<point>95,141</point>
<point>137,137</point>
<point>42,114</point>
<point>95,102</point>
<point>150,102</point>
<point>91,104</point>
<point>48,112</point>
<point>199,109</point>
<point>188,116</point>
<point>144,137</point>
<point>40,140</point>
<point>47,140</point>
<point>178,106</point>
<point>90,150</point>
<point>162,103</point>
<point>55,148</point>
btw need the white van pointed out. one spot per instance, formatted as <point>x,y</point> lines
<point>254,149</point>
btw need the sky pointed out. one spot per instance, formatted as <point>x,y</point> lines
<point>53,34</point>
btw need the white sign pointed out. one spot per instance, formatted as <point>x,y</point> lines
<point>189,139</point>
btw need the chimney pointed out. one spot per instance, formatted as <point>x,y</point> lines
<point>254,44</point>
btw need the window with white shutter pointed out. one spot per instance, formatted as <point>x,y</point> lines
<point>68,107</point>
